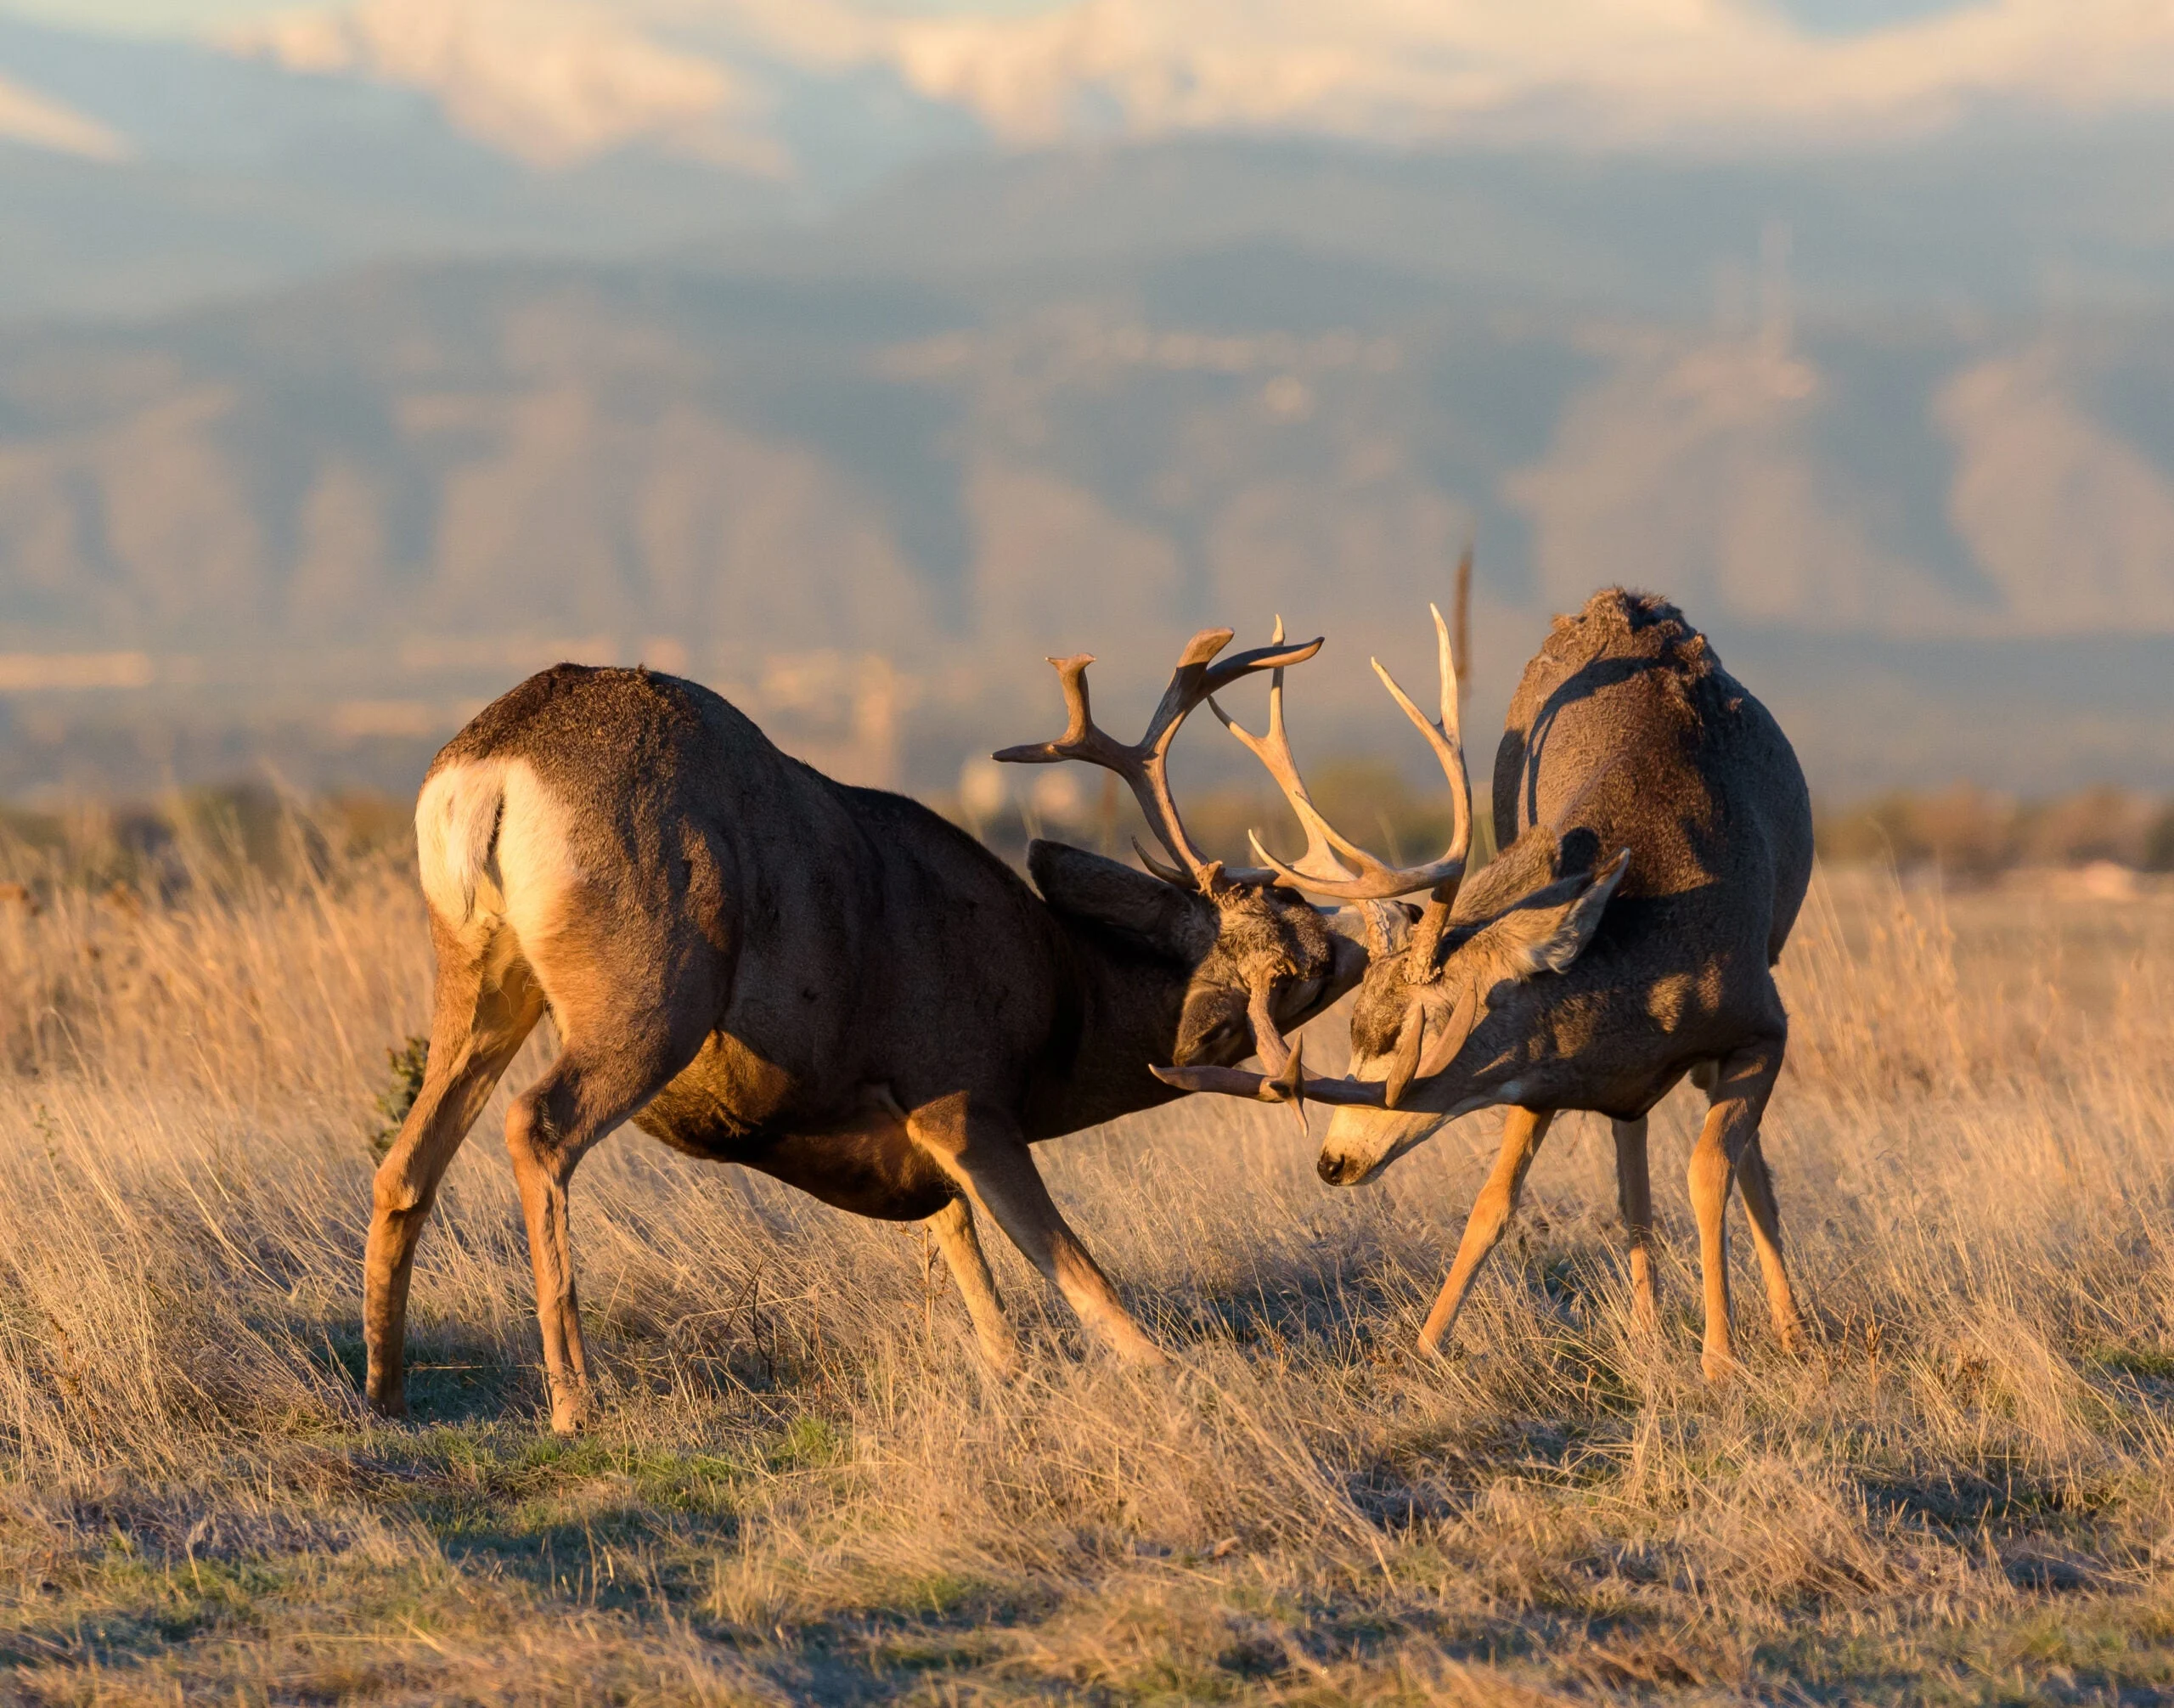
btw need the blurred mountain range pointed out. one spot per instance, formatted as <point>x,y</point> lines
<point>347,372</point>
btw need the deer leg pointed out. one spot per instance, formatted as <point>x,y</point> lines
<point>481,1015</point>
<point>1522,1131</point>
<point>1757,1184</point>
<point>598,1080</point>
<point>985,1152</point>
<point>545,1154</point>
<point>1633,1197</point>
<point>1743,1082</point>
<point>954,1228</point>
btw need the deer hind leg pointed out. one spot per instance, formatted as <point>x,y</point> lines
<point>985,1153</point>
<point>1634,1197</point>
<point>485,1004</point>
<point>954,1228</point>
<point>593,1085</point>
<point>1743,1082</point>
<point>632,1012</point>
<point>1757,1186</point>
<point>1522,1131</point>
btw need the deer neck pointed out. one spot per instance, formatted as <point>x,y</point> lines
<point>1584,1050</point>
<point>1119,1012</point>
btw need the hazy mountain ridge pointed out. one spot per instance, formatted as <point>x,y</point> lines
<point>335,497</point>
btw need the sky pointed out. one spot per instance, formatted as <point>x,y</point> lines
<point>555,82</point>
<point>191,17</point>
<point>1860,485</point>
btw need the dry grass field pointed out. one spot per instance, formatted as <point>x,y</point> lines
<point>802,1488</point>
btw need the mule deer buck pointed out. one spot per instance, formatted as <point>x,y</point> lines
<point>1624,938</point>
<point>833,985</point>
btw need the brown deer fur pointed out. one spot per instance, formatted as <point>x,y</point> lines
<point>1660,846</point>
<point>833,985</point>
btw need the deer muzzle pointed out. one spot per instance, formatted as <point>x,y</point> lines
<point>1361,1141</point>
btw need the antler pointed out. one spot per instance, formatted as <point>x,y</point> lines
<point>1274,752</point>
<point>1318,870</point>
<point>1290,1085</point>
<point>1144,764</point>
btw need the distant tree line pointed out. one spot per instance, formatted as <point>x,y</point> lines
<point>251,832</point>
<point>1967,831</point>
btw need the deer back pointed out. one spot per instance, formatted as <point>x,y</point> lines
<point>831,937</point>
<point>1567,982</point>
<point>1626,732</point>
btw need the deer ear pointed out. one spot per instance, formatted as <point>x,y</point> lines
<point>1445,1035</point>
<point>1549,938</point>
<point>1154,914</point>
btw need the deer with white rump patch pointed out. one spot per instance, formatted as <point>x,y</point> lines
<point>757,964</point>
<point>1624,939</point>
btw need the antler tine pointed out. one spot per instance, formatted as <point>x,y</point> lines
<point>1273,1048</point>
<point>1376,880</point>
<point>1446,738</point>
<point>1143,764</point>
<point>1448,743</point>
<point>1081,740</point>
<point>1285,1087</point>
<point>1274,752</point>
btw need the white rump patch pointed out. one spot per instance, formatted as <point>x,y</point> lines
<point>491,840</point>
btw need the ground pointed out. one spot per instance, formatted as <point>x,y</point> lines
<point>801,1488</point>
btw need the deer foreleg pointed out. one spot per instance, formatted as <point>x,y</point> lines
<point>1742,1086</point>
<point>1522,1131</point>
<point>954,1228</point>
<point>1634,1197</point>
<point>985,1153</point>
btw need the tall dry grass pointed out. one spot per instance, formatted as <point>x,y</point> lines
<point>802,1487</point>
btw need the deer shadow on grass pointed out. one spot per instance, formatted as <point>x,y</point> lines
<point>455,1379</point>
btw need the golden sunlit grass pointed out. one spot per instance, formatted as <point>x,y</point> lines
<point>801,1488</point>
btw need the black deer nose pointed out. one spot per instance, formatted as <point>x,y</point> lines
<point>1331,1169</point>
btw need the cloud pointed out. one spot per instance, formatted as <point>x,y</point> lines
<point>1695,465</point>
<point>555,80</point>
<point>2072,523</point>
<point>1569,71</point>
<point>27,116</point>
<point>551,81</point>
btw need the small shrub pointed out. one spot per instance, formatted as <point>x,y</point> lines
<point>405,1063</point>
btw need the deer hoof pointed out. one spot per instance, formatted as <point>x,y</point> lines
<point>1143,1353</point>
<point>570,1412</point>
<point>1719,1367</point>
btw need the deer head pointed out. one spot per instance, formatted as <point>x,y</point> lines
<point>1437,1034</point>
<point>1447,983</point>
<point>1262,959</point>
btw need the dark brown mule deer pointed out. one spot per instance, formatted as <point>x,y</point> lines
<point>1624,938</point>
<point>757,964</point>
